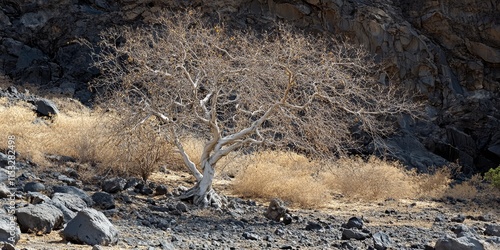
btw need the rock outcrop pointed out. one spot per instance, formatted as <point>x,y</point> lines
<point>446,52</point>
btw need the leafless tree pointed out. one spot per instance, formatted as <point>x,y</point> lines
<point>235,89</point>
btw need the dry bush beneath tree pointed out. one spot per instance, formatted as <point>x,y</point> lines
<point>372,179</point>
<point>284,175</point>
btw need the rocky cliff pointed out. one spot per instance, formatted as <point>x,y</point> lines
<point>447,52</point>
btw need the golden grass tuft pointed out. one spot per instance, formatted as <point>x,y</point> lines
<point>94,138</point>
<point>373,179</point>
<point>284,175</point>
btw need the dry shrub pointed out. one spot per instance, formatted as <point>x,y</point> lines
<point>464,190</point>
<point>137,151</point>
<point>434,184</point>
<point>94,138</point>
<point>69,135</point>
<point>284,175</point>
<point>373,179</point>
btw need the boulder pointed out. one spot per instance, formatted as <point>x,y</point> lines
<point>461,243</point>
<point>493,230</point>
<point>354,233</point>
<point>37,198</point>
<point>103,200</point>
<point>69,204</point>
<point>46,107</point>
<point>9,229</point>
<point>114,185</point>
<point>40,218</point>
<point>354,222</point>
<point>34,187</point>
<point>76,191</point>
<point>382,241</point>
<point>90,227</point>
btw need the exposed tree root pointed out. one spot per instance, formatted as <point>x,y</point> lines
<point>204,199</point>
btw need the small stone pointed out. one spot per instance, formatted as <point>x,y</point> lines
<point>313,226</point>
<point>146,191</point>
<point>4,191</point>
<point>348,234</point>
<point>354,222</point>
<point>181,207</point>
<point>382,241</point>
<point>114,185</point>
<point>459,218</point>
<point>493,230</point>
<point>34,187</point>
<point>103,200</point>
<point>161,190</point>
<point>251,236</point>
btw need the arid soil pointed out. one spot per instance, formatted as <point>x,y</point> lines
<point>163,222</point>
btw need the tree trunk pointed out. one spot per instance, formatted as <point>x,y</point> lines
<point>202,193</point>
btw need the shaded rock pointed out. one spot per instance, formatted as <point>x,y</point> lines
<point>313,226</point>
<point>493,230</point>
<point>90,227</point>
<point>9,229</point>
<point>181,207</point>
<point>461,243</point>
<point>276,210</point>
<point>69,204</point>
<point>146,191</point>
<point>76,191</point>
<point>40,218</point>
<point>34,187</point>
<point>4,191</point>
<point>251,236</point>
<point>103,200</point>
<point>37,198</point>
<point>67,180</point>
<point>114,185</point>
<point>46,107</point>
<point>459,218</point>
<point>348,234</point>
<point>382,241</point>
<point>354,222</point>
<point>462,230</point>
<point>132,183</point>
<point>161,190</point>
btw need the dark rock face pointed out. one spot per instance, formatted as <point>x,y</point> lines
<point>446,52</point>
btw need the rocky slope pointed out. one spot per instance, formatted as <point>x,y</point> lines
<point>446,52</point>
<point>121,213</point>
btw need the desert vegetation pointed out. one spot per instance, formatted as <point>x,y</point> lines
<point>278,90</point>
<point>96,140</point>
<point>275,111</point>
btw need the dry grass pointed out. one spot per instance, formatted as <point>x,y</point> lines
<point>307,183</point>
<point>94,138</point>
<point>284,175</point>
<point>68,135</point>
<point>373,179</point>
